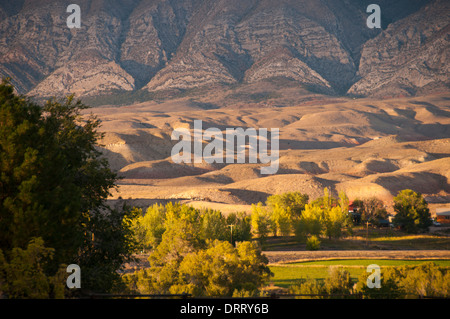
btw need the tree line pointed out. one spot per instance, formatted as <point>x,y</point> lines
<point>327,216</point>
<point>426,280</point>
<point>192,250</point>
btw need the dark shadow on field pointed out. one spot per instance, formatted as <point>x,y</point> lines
<point>433,130</point>
<point>433,109</point>
<point>248,196</point>
<point>423,182</point>
<point>286,144</point>
<point>162,170</point>
<point>441,243</point>
<point>143,203</point>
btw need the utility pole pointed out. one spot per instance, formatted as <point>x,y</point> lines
<point>367,234</point>
<point>231,233</point>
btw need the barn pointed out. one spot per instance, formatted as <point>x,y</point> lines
<point>443,215</point>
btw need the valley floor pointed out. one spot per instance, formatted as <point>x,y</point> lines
<point>279,257</point>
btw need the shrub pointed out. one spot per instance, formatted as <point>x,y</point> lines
<point>313,243</point>
<point>339,282</point>
<point>308,287</point>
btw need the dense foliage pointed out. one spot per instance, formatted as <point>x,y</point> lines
<point>372,210</point>
<point>325,216</point>
<point>24,274</point>
<point>293,201</point>
<point>53,187</point>
<point>412,213</point>
<point>424,280</point>
<point>191,254</point>
<point>207,224</point>
<point>420,281</point>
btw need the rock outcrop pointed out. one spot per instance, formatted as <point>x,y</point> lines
<point>411,56</point>
<point>153,45</point>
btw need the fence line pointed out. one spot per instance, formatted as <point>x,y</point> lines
<point>391,295</point>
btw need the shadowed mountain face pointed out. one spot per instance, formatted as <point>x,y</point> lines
<point>156,45</point>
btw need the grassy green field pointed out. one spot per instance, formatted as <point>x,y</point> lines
<point>289,274</point>
<point>378,240</point>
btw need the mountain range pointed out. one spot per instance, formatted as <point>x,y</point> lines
<point>325,46</point>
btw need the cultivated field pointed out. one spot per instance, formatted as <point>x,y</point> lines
<point>288,274</point>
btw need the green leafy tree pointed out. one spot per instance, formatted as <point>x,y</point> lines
<point>309,288</point>
<point>109,243</point>
<point>338,282</point>
<point>412,213</point>
<point>261,220</point>
<point>24,276</point>
<point>149,227</point>
<point>343,202</point>
<point>281,220</point>
<point>310,223</point>
<point>326,201</point>
<point>335,222</point>
<point>324,216</point>
<point>54,183</point>
<point>337,285</point>
<point>294,202</point>
<point>187,261</point>
<point>242,228</point>
<point>388,285</point>
<point>182,235</point>
<point>424,280</point>
<point>214,225</point>
<point>219,269</point>
<point>418,281</point>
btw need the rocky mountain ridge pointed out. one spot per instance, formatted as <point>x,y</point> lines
<point>154,45</point>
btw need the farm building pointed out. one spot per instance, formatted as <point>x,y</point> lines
<point>443,215</point>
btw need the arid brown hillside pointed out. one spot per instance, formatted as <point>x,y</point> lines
<point>364,147</point>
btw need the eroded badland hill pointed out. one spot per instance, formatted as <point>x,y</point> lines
<point>365,147</point>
